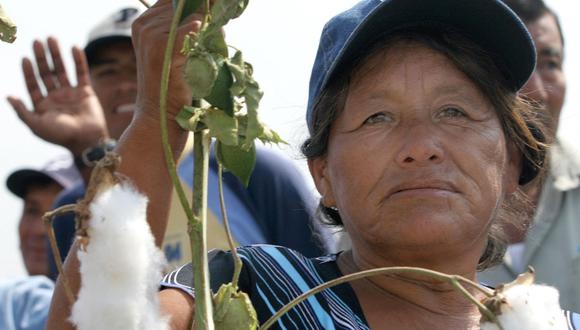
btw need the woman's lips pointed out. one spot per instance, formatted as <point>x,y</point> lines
<point>422,192</point>
<point>423,188</point>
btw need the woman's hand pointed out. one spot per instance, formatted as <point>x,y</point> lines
<point>150,35</point>
<point>67,115</point>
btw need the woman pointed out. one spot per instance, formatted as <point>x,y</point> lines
<point>417,139</point>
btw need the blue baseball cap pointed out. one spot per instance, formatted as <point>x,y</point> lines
<point>489,23</point>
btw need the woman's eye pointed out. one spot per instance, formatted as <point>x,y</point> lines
<point>451,113</point>
<point>379,117</point>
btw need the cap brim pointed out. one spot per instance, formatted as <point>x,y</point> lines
<point>489,23</point>
<point>19,181</point>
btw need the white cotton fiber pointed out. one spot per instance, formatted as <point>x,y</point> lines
<point>530,307</point>
<point>121,267</point>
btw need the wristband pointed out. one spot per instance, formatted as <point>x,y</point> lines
<point>90,156</point>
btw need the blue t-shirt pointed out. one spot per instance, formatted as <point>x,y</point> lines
<point>275,208</point>
<point>24,303</point>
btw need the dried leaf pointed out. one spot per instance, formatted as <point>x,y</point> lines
<point>233,309</point>
<point>220,96</point>
<point>223,11</point>
<point>7,27</point>
<point>215,42</point>
<point>242,5</point>
<point>270,136</point>
<point>222,126</point>
<point>252,95</point>
<point>188,118</point>
<point>238,69</point>
<point>237,160</point>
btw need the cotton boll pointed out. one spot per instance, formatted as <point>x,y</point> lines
<point>530,307</point>
<point>121,267</point>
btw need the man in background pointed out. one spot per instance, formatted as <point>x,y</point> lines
<point>24,301</point>
<point>551,242</point>
<point>38,189</point>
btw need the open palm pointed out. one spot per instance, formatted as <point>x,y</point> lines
<point>67,115</point>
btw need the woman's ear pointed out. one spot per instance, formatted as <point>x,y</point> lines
<point>319,172</point>
<point>513,169</point>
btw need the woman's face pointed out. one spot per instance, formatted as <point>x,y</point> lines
<point>418,159</point>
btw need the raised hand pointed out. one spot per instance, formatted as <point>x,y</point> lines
<point>67,115</point>
<point>150,34</point>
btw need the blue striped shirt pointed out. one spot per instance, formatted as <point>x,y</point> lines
<point>272,276</point>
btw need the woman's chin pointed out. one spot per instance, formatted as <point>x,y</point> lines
<point>425,230</point>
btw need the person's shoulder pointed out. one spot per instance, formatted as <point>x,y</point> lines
<point>28,284</point>
<point>272,159</point>
<point>573,320</point>
<point>71,195</point>
<point>25,301</point>
<point>264,257</point>
<point>258,256</point>
<point>564,165</point>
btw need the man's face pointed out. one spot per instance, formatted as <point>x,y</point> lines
<point>37,201</point>
<point>547,86</point>
<point>114,78</point>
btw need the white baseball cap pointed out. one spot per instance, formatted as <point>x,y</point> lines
<point>114,28</point>
<point>61,170</point>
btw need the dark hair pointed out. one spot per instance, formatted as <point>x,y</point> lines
<point>519,121</point>
<point>531,10</point>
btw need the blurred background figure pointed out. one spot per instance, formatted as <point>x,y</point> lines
<point>24,301</point>
<point>551,241</point>
<point>38,189</point>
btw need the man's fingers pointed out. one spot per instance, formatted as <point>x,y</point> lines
<point>59,67</point>
<point>31,82</point>
<point>82,67</point>
<point>43,67</point>
<point>21,111</point>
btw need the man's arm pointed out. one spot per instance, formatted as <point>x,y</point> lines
<point>142,159</point>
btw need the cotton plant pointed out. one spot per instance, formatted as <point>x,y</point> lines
<point>120,267</point>
<point>224,108</point>
<point>525,305</point>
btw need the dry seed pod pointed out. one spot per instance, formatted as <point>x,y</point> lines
<point>200,72</point>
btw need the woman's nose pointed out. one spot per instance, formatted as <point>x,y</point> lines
<point>420,147</point>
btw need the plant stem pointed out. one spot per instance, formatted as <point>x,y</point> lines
<point>197,234</point>
<point>48,218</point>
<point>145,3</point>
<point>237,261</point>
<point>163,112</point>
<point>203,304</point>
<point>206,16</point>
<point>486,291</point>
<point>482,308</point>
<point>453,279</point>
